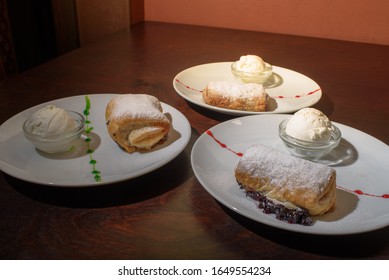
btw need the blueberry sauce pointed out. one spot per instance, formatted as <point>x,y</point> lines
<point>291,216</point>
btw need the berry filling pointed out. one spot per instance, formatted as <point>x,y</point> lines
<point>292,216</point>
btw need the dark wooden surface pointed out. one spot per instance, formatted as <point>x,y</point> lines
<point>160,216</point>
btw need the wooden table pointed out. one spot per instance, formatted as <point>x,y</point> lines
<point>158,216</point>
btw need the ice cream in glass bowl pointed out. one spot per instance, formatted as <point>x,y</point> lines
<point>309,134</point>
<point>251,69</point>
<point>54,130</point>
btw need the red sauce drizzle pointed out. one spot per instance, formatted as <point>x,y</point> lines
<point>188,87</point>
<point>279,96</point>
<point>222,144</point>
<point>297,96</point>
<point>358,192</point>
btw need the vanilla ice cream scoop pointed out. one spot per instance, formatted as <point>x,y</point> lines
<point>250,63</point>
<point>50,121</point>
<point>309,124</point>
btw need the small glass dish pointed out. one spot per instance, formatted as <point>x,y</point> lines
<point>60,142</point>
<point>252,77</point>
<point>306,149</point>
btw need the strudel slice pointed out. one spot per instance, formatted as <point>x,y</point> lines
<point>236,96</point>
<point>290,187</point>
<point>136,121</point>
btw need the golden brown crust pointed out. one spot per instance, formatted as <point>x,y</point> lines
<point>246,97</point>
<point>287,179</point>
<point>136,121</point>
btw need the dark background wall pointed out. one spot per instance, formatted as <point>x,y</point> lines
<point>33,31</point>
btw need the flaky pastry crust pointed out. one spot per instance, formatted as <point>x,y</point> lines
<point>291,181</point>
<point>229,95</point>
<point>136,121</point>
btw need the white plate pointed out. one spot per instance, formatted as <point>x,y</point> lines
<point>20,159</point>
<point>361,162</point>
<point>289,90</point>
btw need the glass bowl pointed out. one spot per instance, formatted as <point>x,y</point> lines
<point>306,149</point>
<point>60,142</point>
<point>252,77</point>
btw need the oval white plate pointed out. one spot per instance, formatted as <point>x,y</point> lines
<point>20,159</point>
<point>361,162</point>
<point>289,90</point>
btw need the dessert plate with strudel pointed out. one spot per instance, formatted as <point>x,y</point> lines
<point>96,159</point>
<point>288,90</point>
<point>245,166</point>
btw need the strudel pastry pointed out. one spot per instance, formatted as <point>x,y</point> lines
<point>290,187</point>
<point>136,121</point>
<point>236,96</point>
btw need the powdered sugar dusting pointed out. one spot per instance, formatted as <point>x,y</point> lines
<point>236,89</point>
<point>284,170</point>
<point>136,106</point>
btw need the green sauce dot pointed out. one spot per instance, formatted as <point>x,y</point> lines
<point>90,151</point>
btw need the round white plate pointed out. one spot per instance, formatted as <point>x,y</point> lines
<point>361,162</point>
<point>289,90</point>
<point>19,158</point>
